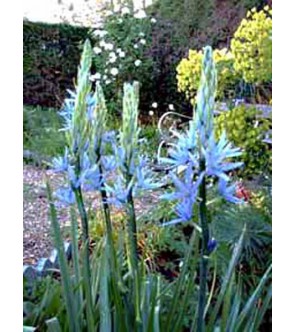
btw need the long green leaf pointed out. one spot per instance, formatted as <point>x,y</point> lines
<point>227,278</point>
<point>194,241</point>
<point>29,329</point>
<point>76,263</point>
<point>252,300</point>
<point>53,325</point>
<point>65,276</point>
<point>261,311</point>
<point>104,300</point>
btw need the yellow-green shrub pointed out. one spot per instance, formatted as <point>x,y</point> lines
<point>252,46</point>
<point>246,130</point>
<point>189,73</point>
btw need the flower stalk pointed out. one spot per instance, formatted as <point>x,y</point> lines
<point>204,251</point>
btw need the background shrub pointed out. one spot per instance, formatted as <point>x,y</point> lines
<point>41,132</point>
<point>50,59</point>
<point>246,129</point>
<point>189,74</point>
<point>252,46</point>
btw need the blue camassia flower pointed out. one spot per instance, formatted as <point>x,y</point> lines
<point>118,193</point>
<point>61,163</point>
<point>228,192</point>
<point>69,106</point>
<point>65,196</point>
<point>186,192</point>
<point>185,150</point>
<point>216,155</point>
<point>145,179</point>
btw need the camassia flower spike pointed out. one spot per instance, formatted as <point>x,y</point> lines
<point>200,153</point>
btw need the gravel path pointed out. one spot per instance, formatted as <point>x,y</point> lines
<point>37,241</point>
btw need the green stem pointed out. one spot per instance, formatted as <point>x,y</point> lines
<point>204,253</point>
<point>132,244</point>
<point>86,251</point>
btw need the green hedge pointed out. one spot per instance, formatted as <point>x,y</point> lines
<point>51,54</point>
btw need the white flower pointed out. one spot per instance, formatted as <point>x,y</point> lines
<point>153,20</point>
<point>95,77</point>
<point>120,20</point>
<point>171,107</point>
<point>108,13</point>
<point>108,82</point>
<point>141,34</point>
<point>113,57</point>
<point>100,33</point>
<point>135,46</point>
<point>140,14</point>
<point>142,41</point>
<point>97,50</point>
<point>105,77</point>
<point>137,62</point>
<point>119,50</point>
<point>102,43</point>
<point>125,11</point>
<point>151,113</point>
<point>109,46</point>
<point>114,71</point>
<point>122,54</point>
<point>154,105</point>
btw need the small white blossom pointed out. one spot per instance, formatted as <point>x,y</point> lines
<point>153,20</point>
<point>137,62</point>
<point>119,50</point>
<point>112,60</point>
<point>105,77</point>
<point>100,33</point>
<point>122,54</point>
<point>140,14</point>
<point>142,41</point>
<point>108,82</point>
<point>109,46</point>
<point>97,50</point>
<point>141,34</point>
<point>114,71</point>
<point>95,77</point>
<point>108,13</point>
<point>135,46</point>
<point>151,113</point>
<point>154,105</point>
<point>125,11</point>
<point>171,107</point>
<point>102,43</point>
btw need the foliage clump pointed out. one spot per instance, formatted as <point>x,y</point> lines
<point>189,72</point>
<point>252,46</point>
<point>246,129</point>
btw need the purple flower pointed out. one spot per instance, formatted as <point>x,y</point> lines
<point>211,245</point>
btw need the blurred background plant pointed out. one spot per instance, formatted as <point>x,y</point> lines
<point>246,127</point>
